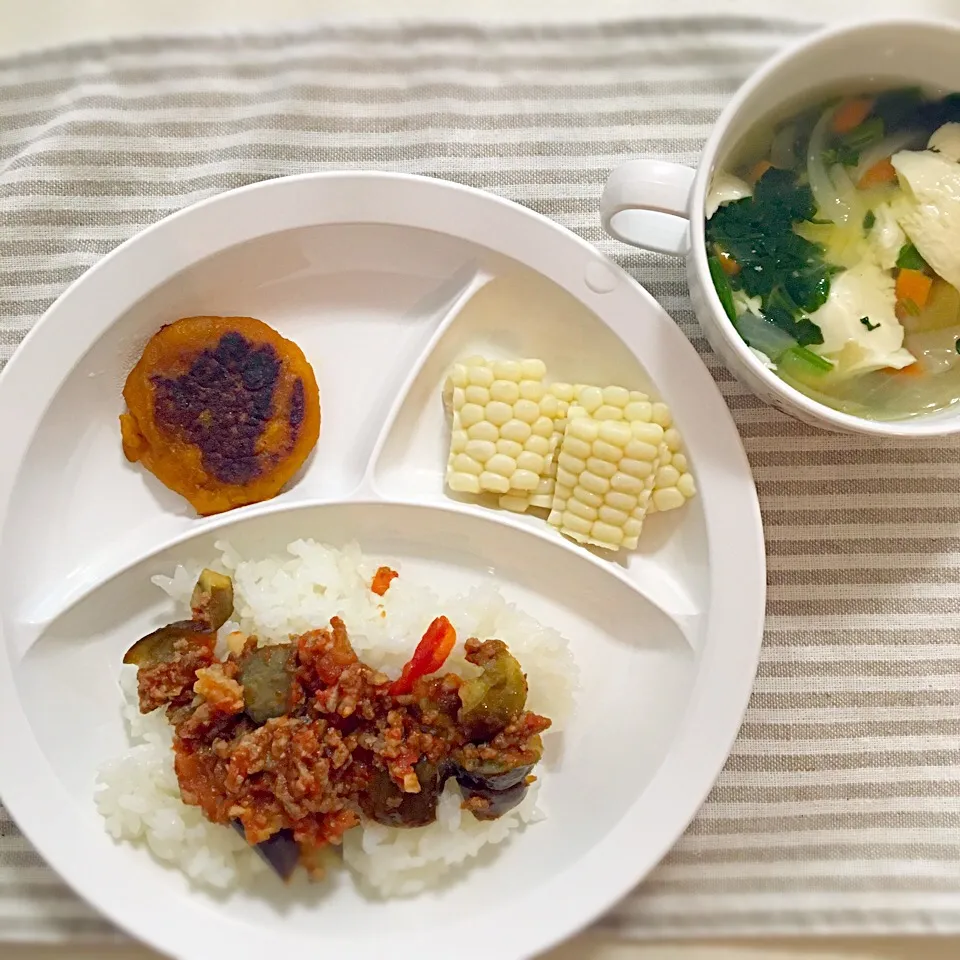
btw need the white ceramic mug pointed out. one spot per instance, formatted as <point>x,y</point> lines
<point>659,206</point>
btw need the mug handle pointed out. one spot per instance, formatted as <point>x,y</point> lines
<point>646,203</point>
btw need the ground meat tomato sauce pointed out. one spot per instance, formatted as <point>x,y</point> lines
<point>344,747</point>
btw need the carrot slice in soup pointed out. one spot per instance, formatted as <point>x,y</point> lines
<point>881,172</point>
<point>850,114</point>
<point>759,169</point>
<point>914,285</point>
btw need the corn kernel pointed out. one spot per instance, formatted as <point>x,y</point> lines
<point>526,410</point>
<point>480,450</point>
<point>506,370</point>
<point>637,468</point>
<point>608,412</point>
<point>662,415</point>
<point>531,390</point>
<point>530,461</point>
<point>607,451</point>
<point>565,478</point>
<point>477,395</point>
<point>505,391</point>
<point>576,447</point>
<point>499,463</point>
<point>576,525</point>
<point>606,534</point>
<point>466,464</point>
<point>632,528</point>
<point>668,498</point>
<point>610,514</point>
<point>585,496</point>
<point>494,482</point>
<point>470,413</point>
<point>543,427</point>
<point>509,448</point>
<point>616,396</point>
<point>593,483</point>
<point>533,369</point>
<point>525,480</point>
<point>667,476</point>
<point>615,432</point>
<point>650,433</point>
<point>550,406</point>
<point>638,450</point>
<point>570,463</point>
<point>479,376</point>
<point>583,428</point>
<point>620,501</point>
<point>484,430</point>
<point>625,483</point>
<point>458,376</point>
<point>498,413</point>
<point>515,430</point>
<point>463,483</point>
<point>601,468</point>
<point>580,509</point>
<point>639,410</point>
<point>538,445</point>
<point>590,398</point>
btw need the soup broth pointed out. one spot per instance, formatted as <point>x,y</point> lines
<point>833,240</point>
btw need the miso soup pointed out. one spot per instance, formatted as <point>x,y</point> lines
<point>834,246</point>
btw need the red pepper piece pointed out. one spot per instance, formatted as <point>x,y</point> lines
<point>429,656</point>
<point>382,580</point>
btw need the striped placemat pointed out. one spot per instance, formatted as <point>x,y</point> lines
<point>840,806</point>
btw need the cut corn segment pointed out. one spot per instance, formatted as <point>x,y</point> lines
<point>606,468</point>
<point>503,426</point>
<point>519,500</point>
<point>566,394</point>
<point>673,483</point>
<point>512,435</point>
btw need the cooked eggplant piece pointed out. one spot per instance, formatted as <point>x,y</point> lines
<point>490,702</point>
<point>498,785</point>
<point>389,805</point>
<point>212,600</point>
<point>486,804</point>
<point>158,647</point>
<point>212,605</point>
<point>490,776</point>
<point>266,675</point>
<point>281,851</point>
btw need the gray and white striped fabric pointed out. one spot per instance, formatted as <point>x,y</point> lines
<point>840,806</point>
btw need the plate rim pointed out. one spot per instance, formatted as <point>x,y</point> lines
<point>706,732</point>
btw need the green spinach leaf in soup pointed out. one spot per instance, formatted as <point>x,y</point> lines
<point>786,271</point>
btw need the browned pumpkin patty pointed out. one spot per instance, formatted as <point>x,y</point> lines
<point>222,410</point>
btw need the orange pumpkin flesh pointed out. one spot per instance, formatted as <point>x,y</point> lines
<point>222,410</point>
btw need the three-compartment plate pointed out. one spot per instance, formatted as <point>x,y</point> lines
<point>383,280</point>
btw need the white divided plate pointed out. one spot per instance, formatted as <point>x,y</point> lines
<point>383,280</point>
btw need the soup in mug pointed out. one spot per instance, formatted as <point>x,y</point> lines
<point>834,246</point>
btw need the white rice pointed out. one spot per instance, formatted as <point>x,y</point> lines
<point>283,595</point>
